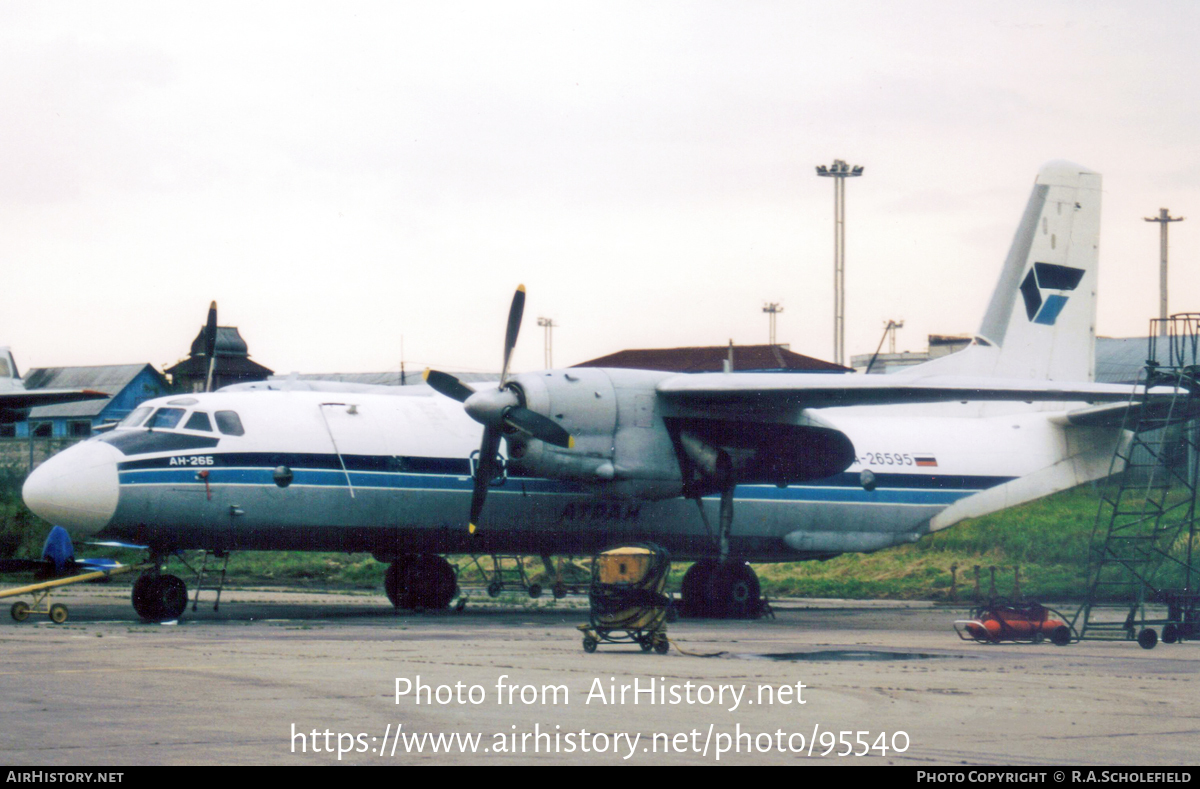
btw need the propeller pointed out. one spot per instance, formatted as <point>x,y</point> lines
<point>498,409</point>
<point>210,344</point>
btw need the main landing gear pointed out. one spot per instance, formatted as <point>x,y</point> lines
<point>721,590</point>
<point>158,597</point>
<point>424,581</point>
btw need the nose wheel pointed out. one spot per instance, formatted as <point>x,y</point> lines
<point>159,598</point>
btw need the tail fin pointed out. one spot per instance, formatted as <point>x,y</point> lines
<point>1041,322</point>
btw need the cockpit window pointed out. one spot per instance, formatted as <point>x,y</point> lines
<point>198,421</point>
<point>165,418</point>
<point>135,417</point>
<point>229,423</point>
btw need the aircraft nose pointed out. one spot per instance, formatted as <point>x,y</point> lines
<point>77,488</point>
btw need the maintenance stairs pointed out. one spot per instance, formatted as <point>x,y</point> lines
<point>1142,572</point>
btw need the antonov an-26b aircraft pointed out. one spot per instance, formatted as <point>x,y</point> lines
<point>813,464</point>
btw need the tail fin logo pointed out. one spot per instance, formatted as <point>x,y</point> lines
<point>1041,307</point>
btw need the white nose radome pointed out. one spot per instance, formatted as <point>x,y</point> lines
<point>77,488</point>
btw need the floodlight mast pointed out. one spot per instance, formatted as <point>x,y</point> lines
<point>548,356</point>
<point>839,171</point>
<point>1164,219</point>
<point>772,309</point>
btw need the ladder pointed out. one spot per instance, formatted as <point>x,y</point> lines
<point>1142,572</point>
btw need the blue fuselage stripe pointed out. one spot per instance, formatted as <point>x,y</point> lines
<point>928,490</point>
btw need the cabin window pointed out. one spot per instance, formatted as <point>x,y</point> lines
<point>229,423</point>
<point>135,417</point>
<point>198,421</point>
<point>165,418</point>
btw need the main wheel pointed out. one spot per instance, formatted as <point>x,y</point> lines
<point>431,582</point>
<point>172,596</point>
<point>158,598</point>
<point>58,613</point>
<point>19,611</point>
<point>143,597</point>
<point>694,587</point>
<point>393,582</point>
<point>732,591</point>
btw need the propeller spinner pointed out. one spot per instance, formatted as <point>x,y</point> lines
<point>497,409</point>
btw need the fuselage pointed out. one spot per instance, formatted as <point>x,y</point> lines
<point>391,474</point>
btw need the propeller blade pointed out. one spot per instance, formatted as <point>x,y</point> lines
<point>540,427</point>
<point>444,383</point>
<point>484,472</point>
<point>514,328</point>
<point>210,344</point>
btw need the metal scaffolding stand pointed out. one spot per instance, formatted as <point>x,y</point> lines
<point>1142,570</point>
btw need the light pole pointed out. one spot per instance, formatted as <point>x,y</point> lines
<point>839,171</point>
<point>548,324</point>
<point>772,310</point>
<point>890,329</point>
<point>1164,218</point>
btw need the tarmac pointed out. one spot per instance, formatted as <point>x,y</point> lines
<point>296,678</point>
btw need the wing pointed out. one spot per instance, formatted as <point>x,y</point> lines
<point>777,391</point>
<point>32,398</point>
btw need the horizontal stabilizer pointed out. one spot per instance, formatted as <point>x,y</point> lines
<point>32,398</point>
<point>1165,408</point>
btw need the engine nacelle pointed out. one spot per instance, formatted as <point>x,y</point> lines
<point>622,446</point>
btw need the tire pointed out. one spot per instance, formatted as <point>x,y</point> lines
<point>589,644</point>
<point>1170,634</point>
<point>535,591</point>
<point>692,590</point>
<point>494,589</point>
<point>58,613</point>
<point>1148,638</point>
<point>19,611</point>
<point>734,591</point>
<point>646,644</point>
<point>560,591</point>
<point>393,583</point>
<point>1060,636</point>
<point>143,598</point>
<point>171,596</point>
<point>430,582</point>
<point>662,646</point>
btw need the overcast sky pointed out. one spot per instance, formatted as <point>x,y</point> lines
<point>340,175</point>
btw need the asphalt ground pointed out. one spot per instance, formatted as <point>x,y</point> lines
<point>296,678</point>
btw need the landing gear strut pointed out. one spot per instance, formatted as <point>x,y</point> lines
<point>158,597</point>
<point>420,582</point>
